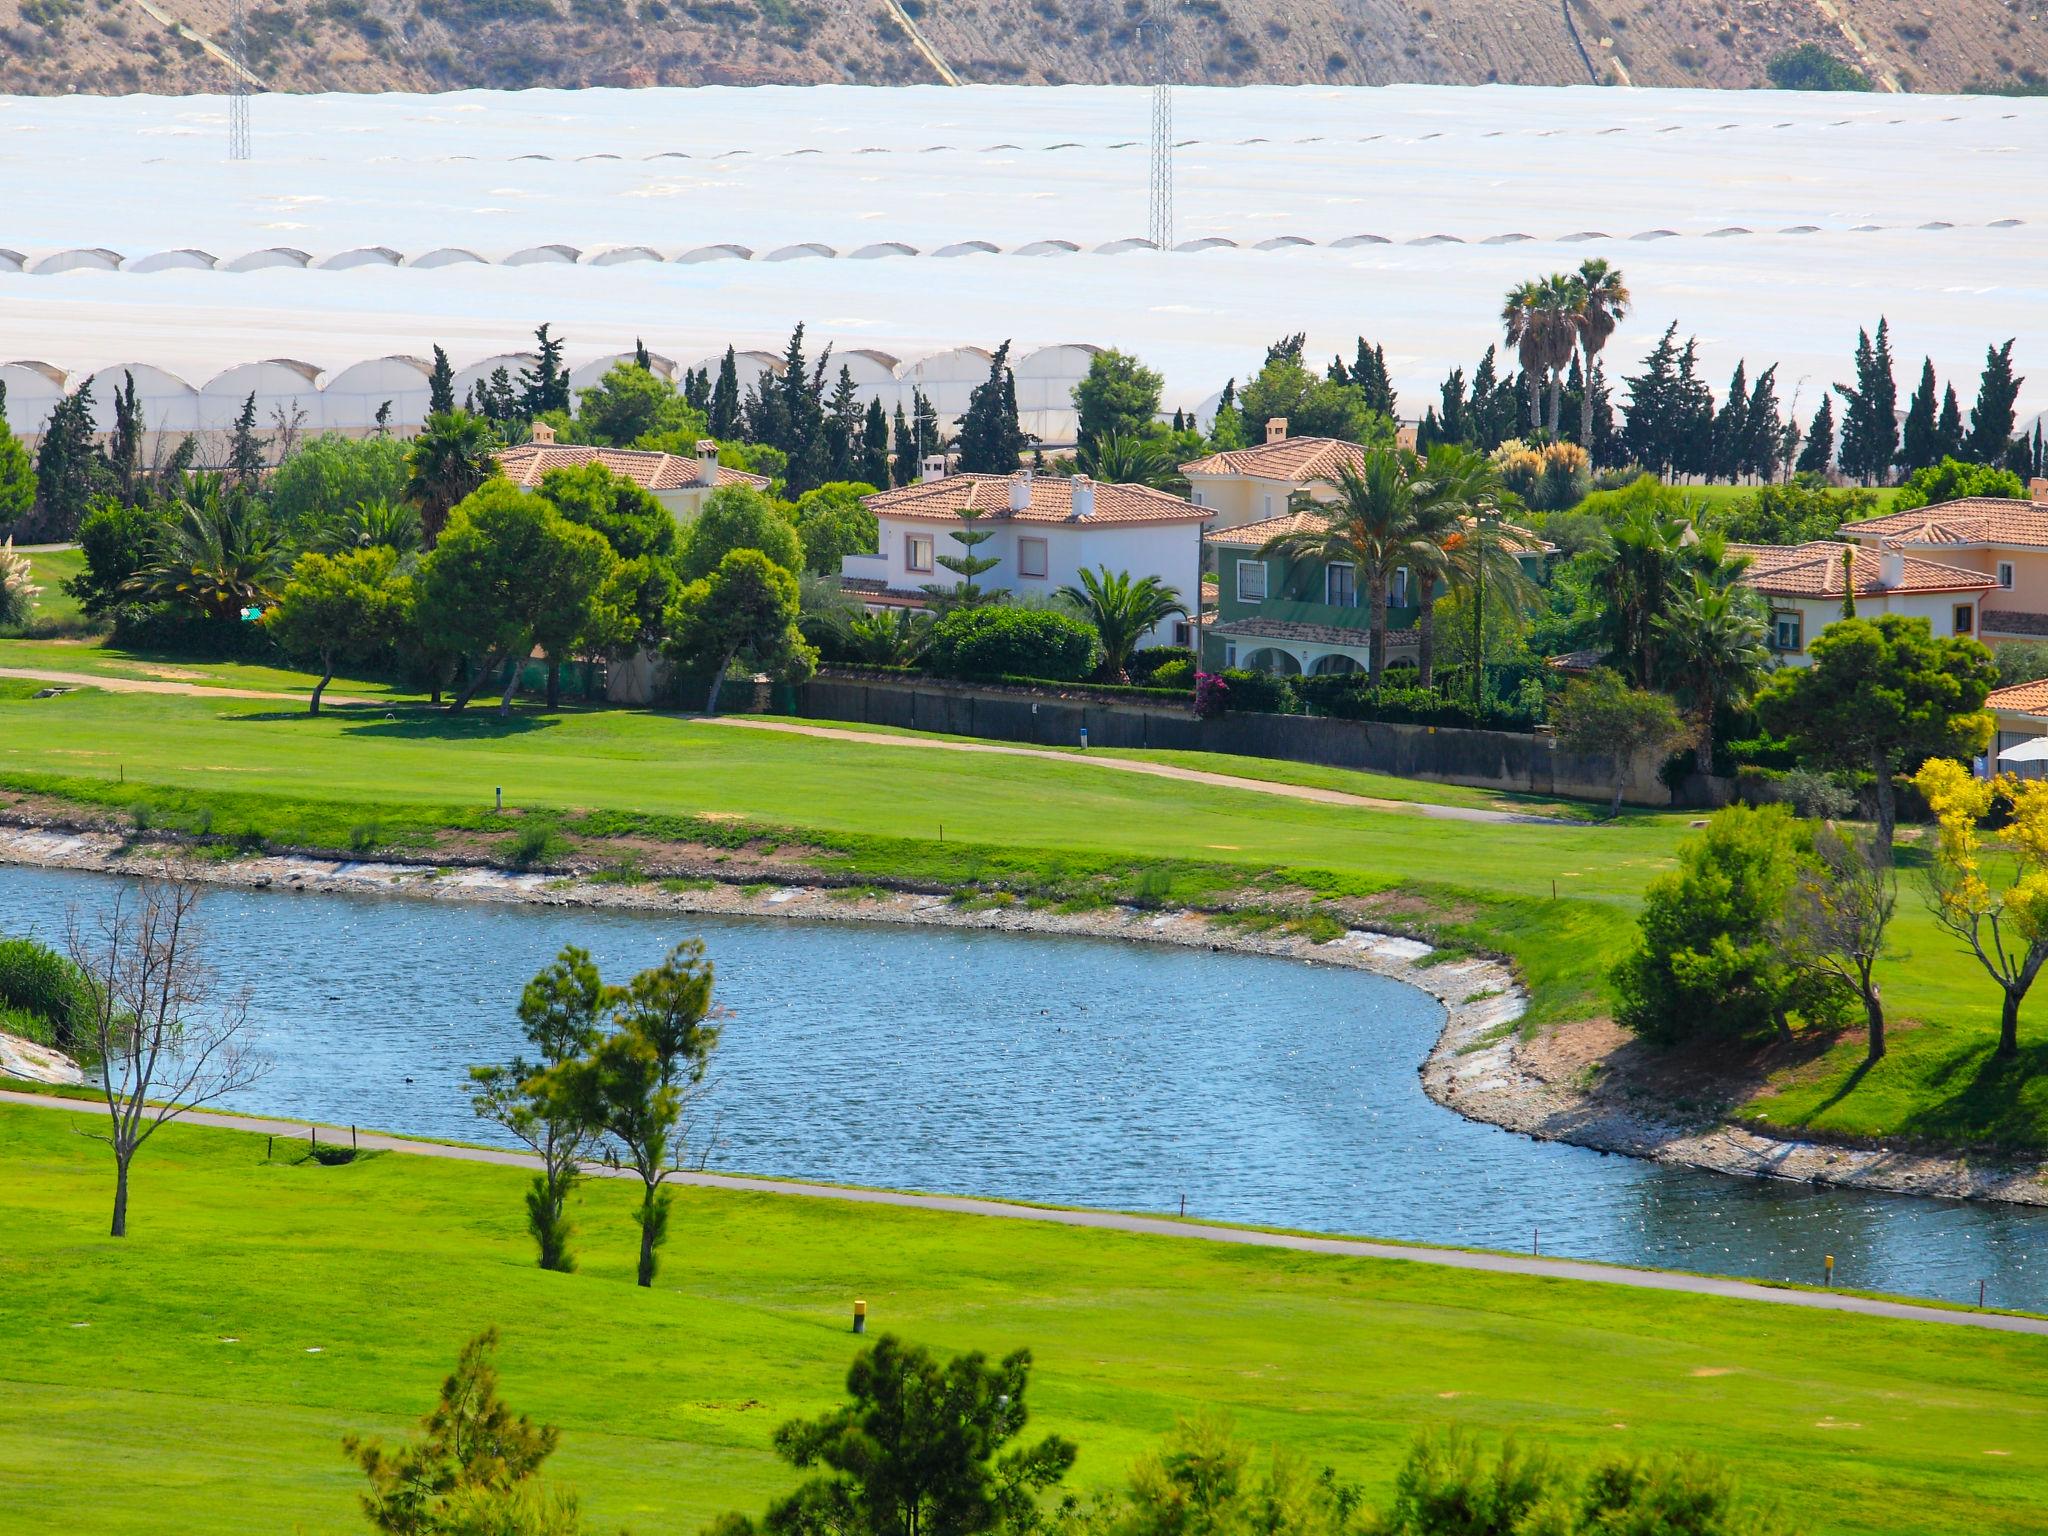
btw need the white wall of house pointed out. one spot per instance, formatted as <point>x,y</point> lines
<point>1169,551</point>
<point>1816,614</point>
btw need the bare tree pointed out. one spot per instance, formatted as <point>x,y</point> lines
<point>1834,922</point>
<point>169,1037</point>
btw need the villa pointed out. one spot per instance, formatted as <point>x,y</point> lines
<point>2003,539</point>
<point>1805,585</point>
<point>678,482</point>
<point>1251,485</point>
<point>1047,529</point>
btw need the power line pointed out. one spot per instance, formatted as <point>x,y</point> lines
<point>238,84</point>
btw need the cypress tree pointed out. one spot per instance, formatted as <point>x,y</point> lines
<point>844,426</point>
<point>1948,430</point>
<point>1730,438</point>
<point>991,442</point>
<point>1884,400</point>
<point>640,357</point>
<point>725,399</point>
<point>1991,418</point>
<point>68,470</point>
<point>1870,423</point>
<point>1692,428</point>
<point>1920,447</point>
<point>1648,425</point>
<point>1819,451</point>
<point>245,449</point>
<point>903,466</point>
<point>697,391</point>
<point>924,417</point>
<point>1765,448</point>
<point>872,465</point>
<point>384,419</point>
<point>1450,419</point>
<point>441,386</point>
<point>124,446</point>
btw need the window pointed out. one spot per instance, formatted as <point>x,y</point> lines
<point>1397,593</point>
<point>1787,627</point>
<point>1268,503</point>
<point>917,551</point>
<point>1340,587</point>
<point>1031,558</point>
<point>1965,613</point>
<point>1183,632</point>
<point>2005,574</point>
<point>1196,498</point>
<point>1230,656</point>
<point>1251,581</point>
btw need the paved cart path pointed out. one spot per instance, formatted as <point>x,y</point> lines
<point>1134,765</point>
<point>117,684</point>
<point>1148,1226</point>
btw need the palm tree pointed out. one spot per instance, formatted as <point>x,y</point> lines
<point>1713,650</point>
<point>1521,318</point>
<point>1604,305</point>
<point>1462,502</point>
<point>1122,611</point>
<point>373,524</point>
<point>219,558</point>
<point>1116,459</point>
<point>1562,304</point>
<point>1371,524</point>
<point>449,459</point>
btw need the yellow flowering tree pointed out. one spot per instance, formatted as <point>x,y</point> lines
<point>2006,928</point>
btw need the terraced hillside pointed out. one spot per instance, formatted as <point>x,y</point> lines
<point>56,46</point>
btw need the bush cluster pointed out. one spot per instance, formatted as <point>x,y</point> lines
<point>1013,642</point>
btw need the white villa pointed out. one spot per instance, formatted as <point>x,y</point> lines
<point>1047,529</point>
<point>1805,584</point>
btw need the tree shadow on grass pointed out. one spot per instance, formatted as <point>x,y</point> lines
<point>1985,1098</point>
<point>431,724</point>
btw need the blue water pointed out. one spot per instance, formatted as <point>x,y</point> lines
<point>1075,1071</point>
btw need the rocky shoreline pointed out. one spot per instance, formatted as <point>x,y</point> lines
<point>1480,1066</point>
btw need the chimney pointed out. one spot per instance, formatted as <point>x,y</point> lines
<point>2037,491</point>
<point>931,467</point>
<point>1020,491</point>
<point>543,434</point>
<point>707,461</point>
<point>1276,429</point>
<point>1084,496</point>
<point>1891,569</point>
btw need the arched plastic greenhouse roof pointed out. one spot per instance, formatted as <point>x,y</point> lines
<point>169,404</point>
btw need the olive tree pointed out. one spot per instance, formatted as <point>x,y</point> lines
<point>746,609</point>
<point>339,608</point>
<point>1836,916</point>
<point>1601,716</point>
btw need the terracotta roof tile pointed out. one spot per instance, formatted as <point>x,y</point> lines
<point>650,471</point>
<point>1052,501</point>
<point>1257,535</point>
<point>1296,459</point>
<point>2020,698</point>
<point>1815,570</point>
<point>1972,520</point>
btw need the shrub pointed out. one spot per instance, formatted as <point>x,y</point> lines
<point>1212,695</point>
<point>1020,642</point>
<point>40,986</point>
<point>1173,674</point>
<point>1144,664</point>
<point>1260,693</point>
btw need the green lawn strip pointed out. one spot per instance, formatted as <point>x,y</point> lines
<point>100,658</point>
<point>667,1398</point>
<point>1045,830</point>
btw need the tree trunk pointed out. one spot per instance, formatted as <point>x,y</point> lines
<point>645,1274</point>
<point>1376,636</point>
<point>2008,1024</point>
<point>1887,809</point>
<point>517,665</point>
<point>1556,401</point>
<point>326,677</point>
<point>1534,384</point>
<point>470,687</point>
<point>120,1226</point>
<point>1620,788</point>
<point>554,681</point>
<point>1873,1017</point>
<point>1586,412</point>
<point>718,682</point>
<point>1425,642</point>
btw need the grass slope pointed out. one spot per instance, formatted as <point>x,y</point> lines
<point>1559,899</point>
<point>667,1398</point>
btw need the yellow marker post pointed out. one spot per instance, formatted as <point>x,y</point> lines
<point>860,1315</point>
<point>1831,1269</point>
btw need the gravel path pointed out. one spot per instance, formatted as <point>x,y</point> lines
<point>58,679</point>
<point>1153,1226</point>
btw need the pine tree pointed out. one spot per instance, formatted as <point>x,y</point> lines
<point>1648,425</point>
<point>1766,446</point>
<point>725,399</point>
<point>441,386</point>
<point>1991,418</point>
<point>967,565</point>
<point>872,466</point>
<point>68,470</point>
<point>545,386</point>
<point>1819,452</point>
<point>384,419</point>
<point>1729,440</point>
<point>124,445</point>
<point>1692,427</point>
<point>903,464</point>
<point>1180,421</point>
<point>791,406</point>
<point>991,443</point>
<point>640,357</point>
<point>1919,447</point>
<point>1948,430</point>
<point>245,448</point>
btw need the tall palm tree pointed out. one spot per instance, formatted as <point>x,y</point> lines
<point>1462,504</point>
<point>1122,611</point>
<point>1713,650</point>
<point>1117,459</point>
<point>1562,304</point>
<point>1541,321</point>
<point>1521,318</point>
<point>1605,304</point>
<point>451,457</point>
<point>1371,524</point>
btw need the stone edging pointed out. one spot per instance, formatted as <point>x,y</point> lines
<point>1476,1067</point>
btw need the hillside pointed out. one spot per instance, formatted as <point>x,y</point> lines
<point>50,47</point>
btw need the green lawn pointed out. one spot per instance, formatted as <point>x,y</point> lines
<point>347,1290</point>
<point>100,659</point>
<point>56,611</point>
<point>1559,899</point>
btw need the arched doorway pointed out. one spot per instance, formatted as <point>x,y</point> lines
<point>1272,659</point>
<point>1336,664</point>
